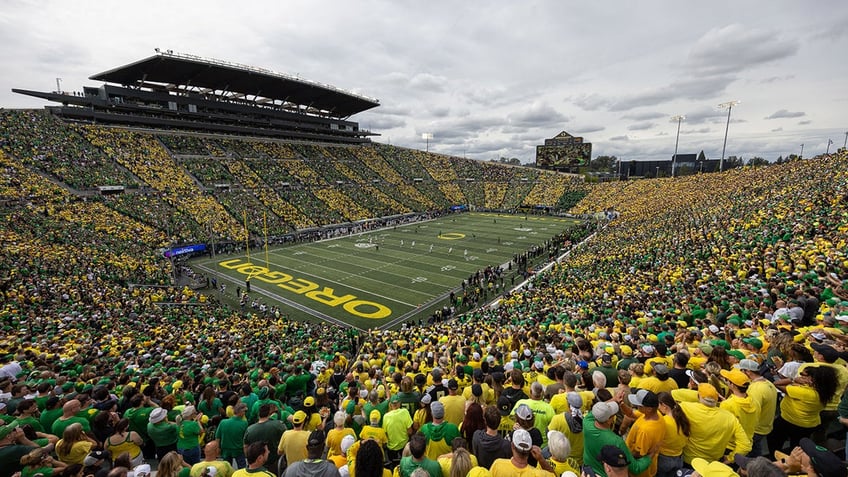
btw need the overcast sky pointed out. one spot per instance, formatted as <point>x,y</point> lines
<point>491,79</point>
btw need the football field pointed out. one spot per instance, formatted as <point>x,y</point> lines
<point>382,278</point>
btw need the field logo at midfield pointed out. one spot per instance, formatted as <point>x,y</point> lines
<point>325,296</point>
<point>452,236</point>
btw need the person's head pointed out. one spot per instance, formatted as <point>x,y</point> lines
<point>522,443</point>
<point>170,465</point>
<point>417,445</point>
<point>71,407</point>
<point>212,450</point>
<point>524,416</point>
<point>339,419</point>
<point>73,433</point>
<point>123,460</point>
<point>558,445</point>
<point>369,459</point>
<point>603,412</point>
<point>256,453</point>
<point>298,419</point>
<point>707,394</point>
<point>823,380</point>
<point>265,410</point>
<point>614,460</point>
<point>492,416</point>
<point>460,464</point>
<point>122,425</point>
<point>240,409</point>
<point>315,444</point>
<point>438,410</point>
<point>537,390</point>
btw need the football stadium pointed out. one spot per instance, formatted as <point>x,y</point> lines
<point>208,265</point>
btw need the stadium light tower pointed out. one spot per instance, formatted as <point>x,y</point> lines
<point>829,142</point>
<point>427,137</point>
<point>802,151</point>
<point>729,107</point>
<point>679,118</point>
<point>845,142</point>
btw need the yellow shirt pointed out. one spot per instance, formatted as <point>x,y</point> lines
<point>334,440</point>
<point>293,445</point>
<point>656,385</point>
<point>713,430</point>
<point>674,440</point>
<point>559,423</point>
<point>801,406</point>
<point>504,468</point>
<point>643,436</point>
<point>745,411</point>
<point>376,433</point>
<point>454,408</point>
<point>764,395</point>
<point>841,382</point>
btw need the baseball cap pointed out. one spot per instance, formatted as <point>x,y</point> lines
<point>521,440</point>
<point>347,441</point>
<point>374,416</point>
<point>736,377</point>
<point>309,401</point>
<point>452,384</point>
<point>605,358</point>
<point>476,390</point>
<point>749,365</point>
<point>613,456</point>
<point>316,438</point>
<point>755,342</point>
<point>828,352</point>
<point>504,405</point>
<point>603,411</point>
<point>438,410</point>
<point>712,469</point>
<point>707,394</point>
<point>825,462</point>
<point>574,399</point>
<point>693,376</point>
<point>95,455</point>
<point>523,412</point>
<point>299,417</point>
<point>660,369</point>
<point>395,399</point>
<point>644,398</point>
<point>426,399</point>
<point>144,470</point>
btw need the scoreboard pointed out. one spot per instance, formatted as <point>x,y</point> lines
<point>563,151</point>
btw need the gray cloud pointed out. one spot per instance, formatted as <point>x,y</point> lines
<point>783,113</point>
<point>537,114</point>
<point>641,126</point>
<point>644,116</point>
<point>619,138</point>
<point>588,129</point>
<point>777,130</point>
<point>733,48</point>
<point>805,122</point>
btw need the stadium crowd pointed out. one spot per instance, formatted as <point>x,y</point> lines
<point>702,329</point>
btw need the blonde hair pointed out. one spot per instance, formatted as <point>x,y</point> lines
<point>71,435</point>
<point>170,465</point>
<point>460,463</point>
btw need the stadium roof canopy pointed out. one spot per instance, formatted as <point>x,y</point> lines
<point>176,71</point>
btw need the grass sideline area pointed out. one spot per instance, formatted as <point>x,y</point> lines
<point>382,278</point>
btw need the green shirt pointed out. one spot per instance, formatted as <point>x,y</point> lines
<point>408,466</point>
<point>59,425</point>
<point>595,439</point>
<point>139,417</point>
<point>163,433</point>
<point>188,436</point>
<point>230,433</point>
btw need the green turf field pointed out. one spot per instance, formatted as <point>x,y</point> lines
<point>385,277</point>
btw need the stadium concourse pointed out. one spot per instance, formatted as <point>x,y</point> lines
<point>705,323</point>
